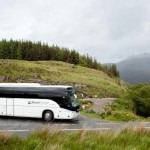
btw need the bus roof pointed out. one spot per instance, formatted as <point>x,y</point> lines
<point>19,84</point>
<point>32,85</point>
<point>56,86</point>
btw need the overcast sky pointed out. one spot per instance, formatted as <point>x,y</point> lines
<point>109,30</point>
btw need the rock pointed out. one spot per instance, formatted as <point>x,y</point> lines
<point>108,110</point>
<point>83,107</point>
<point>35,76</point>
<point>101,112</point>
<point>2,78</point>
<point>95,96</point>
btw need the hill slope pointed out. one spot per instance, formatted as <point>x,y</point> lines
<point>53,72</point>
<point>135,69</point>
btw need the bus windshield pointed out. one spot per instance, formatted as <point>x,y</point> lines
<point>73,99</point>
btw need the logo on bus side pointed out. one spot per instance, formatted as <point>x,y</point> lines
<point>33,102</point>
<point>36,102</point>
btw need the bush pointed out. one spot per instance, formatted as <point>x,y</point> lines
<point>140,96</point>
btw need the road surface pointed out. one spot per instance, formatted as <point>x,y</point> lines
<point>24,126</point>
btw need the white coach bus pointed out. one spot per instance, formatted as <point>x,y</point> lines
<point>38,101</point>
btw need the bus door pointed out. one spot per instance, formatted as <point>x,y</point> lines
<point>10,107</point>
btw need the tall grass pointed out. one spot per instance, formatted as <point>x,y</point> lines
<point>45,139</point>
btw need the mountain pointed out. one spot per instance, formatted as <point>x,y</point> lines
<point>135,69</point>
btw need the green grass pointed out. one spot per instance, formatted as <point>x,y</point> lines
<point>53,72</point>
<point>91,115</point>
<point>121,110</point>
<point>44,139</point>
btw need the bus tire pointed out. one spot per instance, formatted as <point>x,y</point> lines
<point>48,116</point>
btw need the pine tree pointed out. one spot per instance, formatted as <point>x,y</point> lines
<point>19,52</point>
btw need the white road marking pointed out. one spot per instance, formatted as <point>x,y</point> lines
<point>15,130</point>
<point>110,123</point>
<point>96,129</point>
<point>64,124</point>
<point>84,121</point>
<point>147,127</point>
<point>13,124</point>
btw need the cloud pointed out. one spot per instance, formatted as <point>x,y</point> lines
<point>109,30</point>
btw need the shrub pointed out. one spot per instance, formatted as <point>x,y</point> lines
<point>140,96</point>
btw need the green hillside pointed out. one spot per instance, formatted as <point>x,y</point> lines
<point>84,79</point>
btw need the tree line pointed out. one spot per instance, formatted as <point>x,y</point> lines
<point>34,51</point>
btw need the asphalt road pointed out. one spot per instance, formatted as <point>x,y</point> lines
<point>24,126</point>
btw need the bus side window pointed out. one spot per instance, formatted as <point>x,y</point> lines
<point>58,100</point>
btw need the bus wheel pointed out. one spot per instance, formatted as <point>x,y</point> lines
<point>48,116</point>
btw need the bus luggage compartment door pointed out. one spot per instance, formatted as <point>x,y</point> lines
<point>3,106</point>
<point>10,107</point>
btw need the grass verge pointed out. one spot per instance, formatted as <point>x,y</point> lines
<point>120,110</point>
<point>44,139</point>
